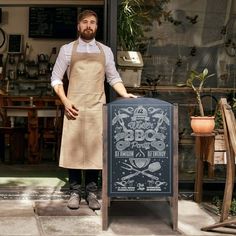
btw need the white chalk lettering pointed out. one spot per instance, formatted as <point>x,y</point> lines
<point>156,153</point>
<point>140,145</point>
<point>140,125</point>
<point>124,153</point>
<point>141,135</point>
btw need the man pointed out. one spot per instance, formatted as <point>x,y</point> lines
<point>86,62</point>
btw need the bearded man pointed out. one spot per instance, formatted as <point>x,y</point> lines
<point>87,63</point>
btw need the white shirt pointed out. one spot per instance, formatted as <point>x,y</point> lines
<point>62,63</point>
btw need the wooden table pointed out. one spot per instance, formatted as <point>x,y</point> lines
<point>32,113</point>
<point>204,149</point>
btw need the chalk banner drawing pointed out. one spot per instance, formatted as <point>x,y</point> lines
<point>140,147</point>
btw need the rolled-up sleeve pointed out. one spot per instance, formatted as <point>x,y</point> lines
<point>60,67</point>
<point>112,74</point>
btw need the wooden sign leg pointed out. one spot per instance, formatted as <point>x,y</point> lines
<point>104,207</point>
<point>104,173</point>
<point>175,170</point>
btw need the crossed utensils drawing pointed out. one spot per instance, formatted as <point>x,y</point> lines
<point>153,167</point>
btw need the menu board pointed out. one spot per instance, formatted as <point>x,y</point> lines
<point>53,22</point>
<point>140,147</point>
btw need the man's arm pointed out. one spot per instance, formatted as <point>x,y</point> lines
<point>121,90</point>
<point>70,110</point>
<point>112,75</point>
<point>58,72</point>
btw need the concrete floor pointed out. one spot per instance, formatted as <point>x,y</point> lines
<point>23,217</point>
<point>32,203</point>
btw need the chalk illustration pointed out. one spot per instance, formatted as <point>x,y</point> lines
<point>140,148</point>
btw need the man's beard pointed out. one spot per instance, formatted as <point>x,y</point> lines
<point>88,34</point>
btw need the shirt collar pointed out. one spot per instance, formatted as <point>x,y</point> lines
<point>91,43</point>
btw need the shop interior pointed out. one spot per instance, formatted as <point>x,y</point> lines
<point>189,35</point>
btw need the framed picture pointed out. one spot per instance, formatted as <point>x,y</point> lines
<point>15,42</point>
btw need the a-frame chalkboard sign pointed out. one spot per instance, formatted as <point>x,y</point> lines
<point>140,152</point>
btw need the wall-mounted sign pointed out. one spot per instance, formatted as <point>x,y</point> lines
<point>140,147</point>
<point>53,22</point>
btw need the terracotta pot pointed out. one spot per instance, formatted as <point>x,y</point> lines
<point>202,124</point>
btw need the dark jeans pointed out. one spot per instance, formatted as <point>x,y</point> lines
<point>75,179</point>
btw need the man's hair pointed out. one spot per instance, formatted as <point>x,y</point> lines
<point>87,13</point>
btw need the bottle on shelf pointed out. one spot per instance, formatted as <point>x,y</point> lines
<point>21,66</point>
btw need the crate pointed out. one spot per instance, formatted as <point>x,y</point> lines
<point>130,65</point>
<point>220,142</point>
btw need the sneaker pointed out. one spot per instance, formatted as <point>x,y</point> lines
<point>74,201</point>
<point>92,201</point>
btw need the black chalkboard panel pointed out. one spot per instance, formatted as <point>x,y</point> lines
<point>53,22</point>
<point>140,147</point>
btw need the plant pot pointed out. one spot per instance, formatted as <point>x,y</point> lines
<point>202,124</point>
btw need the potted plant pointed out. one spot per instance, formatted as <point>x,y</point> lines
<point>129,29</point>
<point>200,124</point>
<point>134,16</point>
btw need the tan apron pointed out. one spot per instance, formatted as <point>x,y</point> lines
<point>81,145</point>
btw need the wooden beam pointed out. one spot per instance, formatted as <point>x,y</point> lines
<point>49,2</point>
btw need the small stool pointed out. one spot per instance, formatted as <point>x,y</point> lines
<point>16,143</point>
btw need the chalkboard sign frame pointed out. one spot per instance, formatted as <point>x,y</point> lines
<point>131,173</point>
<point>58,22</point>
<point>107,198</point>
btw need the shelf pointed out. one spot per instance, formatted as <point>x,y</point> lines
<point>18,98</point>
<point>26,81</point>
<point>177,89</point>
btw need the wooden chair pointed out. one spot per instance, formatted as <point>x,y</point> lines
<point>14,137</point>
<point>51,132</point>
<point>230,142</point>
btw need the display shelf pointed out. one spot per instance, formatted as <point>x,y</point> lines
<point>176,89</point>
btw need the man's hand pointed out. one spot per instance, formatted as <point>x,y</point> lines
<point>70,110</point>
<point>130,95</point>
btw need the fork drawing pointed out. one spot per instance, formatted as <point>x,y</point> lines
<point>137,172</point>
